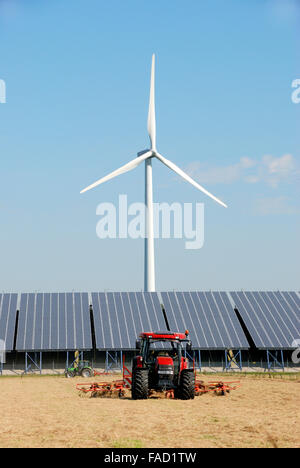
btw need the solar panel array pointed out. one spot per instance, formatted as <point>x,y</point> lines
<point>61,321</point>
<point>208,316</point>
<point>272,318</point>
<point>54,321</point>
<point>119,318</point>
<point>8,312</point>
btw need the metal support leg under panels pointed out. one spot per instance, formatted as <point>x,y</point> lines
<point>233,358</point>
<point>33,363</point>
<point>273,360</point>
<point>199,365</point>
<point>194,358</point>
<point>113,361</point>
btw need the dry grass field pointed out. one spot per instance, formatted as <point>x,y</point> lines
<point>46,411</point>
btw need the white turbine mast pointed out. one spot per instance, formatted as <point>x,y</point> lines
<point>147,156</point>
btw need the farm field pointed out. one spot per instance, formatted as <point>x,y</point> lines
<point>46,411</point>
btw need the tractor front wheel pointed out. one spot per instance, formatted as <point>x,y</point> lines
<point>186,390</point>
<point>140,384</point>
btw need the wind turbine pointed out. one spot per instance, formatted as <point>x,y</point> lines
<point>147,156</point>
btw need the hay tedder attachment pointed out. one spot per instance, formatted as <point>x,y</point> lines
<point>103,389</point>
<point>218,388</point>
<point>116,388</point>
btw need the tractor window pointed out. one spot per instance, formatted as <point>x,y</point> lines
<point>159,345</point>
<point>163,348</point>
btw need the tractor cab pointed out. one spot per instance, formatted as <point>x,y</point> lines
<point>83,364</point>
<point>161,365</point>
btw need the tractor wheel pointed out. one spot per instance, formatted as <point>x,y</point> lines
<point>140,384</point>
<point>69,374</point>
<point>86,373</point>
<point>186,390</point>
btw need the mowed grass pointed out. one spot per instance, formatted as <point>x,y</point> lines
<point>48,412</point>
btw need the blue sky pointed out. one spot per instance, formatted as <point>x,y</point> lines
<point>77,81</point>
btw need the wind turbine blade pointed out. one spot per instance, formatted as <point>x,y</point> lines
<point>127,167</point>
<point>186,177</point>
<point>151,113</point>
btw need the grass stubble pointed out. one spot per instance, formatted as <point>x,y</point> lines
<point>48,412</point>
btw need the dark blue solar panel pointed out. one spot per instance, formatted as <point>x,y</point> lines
<point>268,317</point>
<point>20,345</point>
<point>46,323</point>
<point>113,315</point>
<point>208,316</point>
<point>293,302</point>
<point>122,321</point>
<point>86,320</point>
<point>173,312</point>
<point>289,312</point>
<point>277,317</point>
<point>137,318</point>
<point>37,335</point>
<point>151,310</point>
<point>102,324</point>
<point>119,318</point>
<point>231,323</point>
<point>30,312</point>
<point>251,320</point>
<point>146,318</point>
<point>79,325</point>
<point>266,320</point>
<point>212,318</point>
<point>295,298</point>
<point>155,312</point>
<point>70,321</point>
<point>62,329</point>
<point>8,313</point>
<point>132,321</point>
<point>54,322</point>
<point>204,334</point>
<point>204,337</point>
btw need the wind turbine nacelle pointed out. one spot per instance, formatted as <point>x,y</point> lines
<point>143,152</point>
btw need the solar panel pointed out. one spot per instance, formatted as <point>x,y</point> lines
<point>208,316</point>
<point>8,313</point>
<point>54,322</point>
<point>271,318</point>
<point>119,318</point>
<point>293,301</point>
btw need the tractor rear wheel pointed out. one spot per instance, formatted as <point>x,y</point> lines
<point>140,384</point>
<point>86,373</point>
<point>186,390</point>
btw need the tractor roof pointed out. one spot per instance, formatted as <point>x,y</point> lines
<point>165,335</point>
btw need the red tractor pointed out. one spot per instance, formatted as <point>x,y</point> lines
<point>161,365</point>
